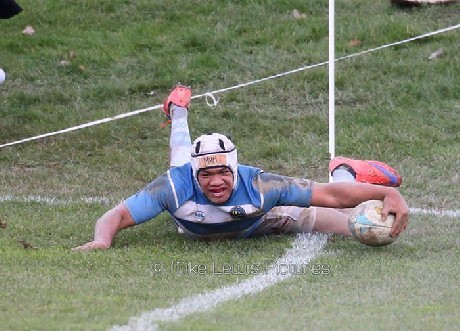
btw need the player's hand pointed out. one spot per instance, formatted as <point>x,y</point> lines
<point>395,204</point>
<point>92,245</point>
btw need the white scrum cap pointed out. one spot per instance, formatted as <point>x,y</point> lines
<point>214,150</point>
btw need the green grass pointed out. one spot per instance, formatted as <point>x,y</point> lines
<point>408,285</point>
<point>394,105</point>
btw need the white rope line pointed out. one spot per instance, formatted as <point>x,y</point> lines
<point>326,62</point>
<point>211,94</point>
<point>214,100</point>
<point>86,125</point>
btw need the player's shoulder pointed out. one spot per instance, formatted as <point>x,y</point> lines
<point>276,180</point>
<point>246,169</point>
<point>174,178</point>
<point>181,179</point>
<point>183,172</point>
<point>247,173</point>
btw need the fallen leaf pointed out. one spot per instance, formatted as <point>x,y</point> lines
<point>82,68</point>
<point>64,63</point>
<point>26,245</point>
<point>3,225</point>
<point>298,15</point>
<point>28,30</point>
<point>72,55</point>
<point>436,54</point>
<point>354,42</point>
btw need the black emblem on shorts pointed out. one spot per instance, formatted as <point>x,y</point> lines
<point>199,215</point>
<point>237,212</point>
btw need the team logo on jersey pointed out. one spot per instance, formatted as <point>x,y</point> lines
<point>237,212</point>
<point>199,215</point>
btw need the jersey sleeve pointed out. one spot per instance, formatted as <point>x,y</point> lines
<point>150,201</point>
<point>280,190</point>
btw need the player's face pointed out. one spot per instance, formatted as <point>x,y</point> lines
<point>216,183</point>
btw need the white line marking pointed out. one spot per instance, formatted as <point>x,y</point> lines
<point>107,201</point>
<point>436,212</point>
<point>305,248</point>
<point>55,201</point>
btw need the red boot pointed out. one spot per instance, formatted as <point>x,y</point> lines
<point>368,171</point>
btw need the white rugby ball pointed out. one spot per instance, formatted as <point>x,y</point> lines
<point>366,225</point>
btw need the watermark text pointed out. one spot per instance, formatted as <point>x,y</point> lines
<point>213,268</point>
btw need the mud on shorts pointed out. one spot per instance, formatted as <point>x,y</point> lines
<point>279,220</point>
<point>286,219</point>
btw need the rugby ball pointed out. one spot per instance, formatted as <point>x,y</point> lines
<point>366,225</point>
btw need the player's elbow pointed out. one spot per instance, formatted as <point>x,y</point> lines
<point>126,220</point>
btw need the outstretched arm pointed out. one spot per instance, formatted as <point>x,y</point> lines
<point>349,195</point>
<point>107,228</point>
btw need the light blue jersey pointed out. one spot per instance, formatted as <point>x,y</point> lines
<point>257,192</point>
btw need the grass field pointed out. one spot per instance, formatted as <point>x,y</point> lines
<point>394,105</point>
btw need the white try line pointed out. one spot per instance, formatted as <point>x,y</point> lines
<point>305,248</point>
<point>111,202</point>
<point>56,201</point>
<point>436,212</point>
<point>108,202</point>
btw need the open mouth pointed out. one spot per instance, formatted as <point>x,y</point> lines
<point>217,193</point>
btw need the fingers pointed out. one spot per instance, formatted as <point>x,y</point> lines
<point>400,223</point>
<point>384,213</point>
<point>395,204</point>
